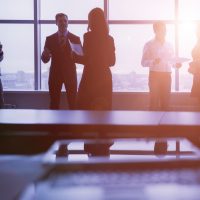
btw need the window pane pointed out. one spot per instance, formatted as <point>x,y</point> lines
<point>75,9</point>
<point>46,30</point>
<point>141,9</point>
<point>18,65</point>
<point>189,9</point>
<point>187,40</point>
<point>128,74</point>
<point>18,9</point>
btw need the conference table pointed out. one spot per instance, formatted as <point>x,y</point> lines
<point>31,128</point>
<point>89,124</point>
<point>36,130</point>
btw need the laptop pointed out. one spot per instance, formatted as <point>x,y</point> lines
<point>132,171</point>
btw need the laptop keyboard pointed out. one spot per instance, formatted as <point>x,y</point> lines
<point>185,176</point>
<point>182,184</point>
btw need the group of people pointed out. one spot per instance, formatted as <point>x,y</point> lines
<point>95,89</point>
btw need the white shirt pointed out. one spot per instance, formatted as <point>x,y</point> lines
<point>153,50</point>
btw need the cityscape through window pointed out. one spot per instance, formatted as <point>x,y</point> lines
<point>25,24</point>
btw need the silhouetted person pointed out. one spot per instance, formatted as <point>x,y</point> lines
<point>195,67</point>
<point>95,90</point>
<point>157,54</point>
<point>160,147</point>
<point>63,69</point>
<point>1,86</point>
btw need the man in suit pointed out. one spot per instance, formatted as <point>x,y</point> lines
<point>63,69</point>
<point>1,87</point>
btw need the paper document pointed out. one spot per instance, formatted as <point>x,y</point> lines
<point>77,48</point>
<point>176,60</point>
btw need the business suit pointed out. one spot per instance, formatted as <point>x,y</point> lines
<point>62,69</point>
<point>95,90</point>
<point>195,70</point>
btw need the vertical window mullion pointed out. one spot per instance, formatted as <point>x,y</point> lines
<point>37,63</point>
<point>176,42</point>
<point>106,9</point>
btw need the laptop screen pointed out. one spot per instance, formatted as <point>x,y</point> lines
<point>134,150</point>
<point>131,171</point>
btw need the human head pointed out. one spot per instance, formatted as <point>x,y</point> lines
<point>62,22</point>
<point>97,22</point>
<point>159,28</point>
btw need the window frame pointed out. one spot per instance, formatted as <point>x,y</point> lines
<point>37,34</point>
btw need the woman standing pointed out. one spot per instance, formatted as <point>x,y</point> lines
<point>195,67</point>
<point>95,90</point>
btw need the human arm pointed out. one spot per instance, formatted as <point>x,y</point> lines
<point>46,54</point>
<point>97,53</point>
<point>1,53</point>
<point>176,62</point>
<point>194,66</point>
<point>80,59</point>
<point>147,58</point>
<point>111,58</point>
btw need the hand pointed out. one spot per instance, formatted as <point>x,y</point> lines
<point>1,46</point>
<point>178,65</point>
<point>46,53</point>
<point>157,61</point>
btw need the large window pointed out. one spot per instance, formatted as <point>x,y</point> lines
<point>17,66</point>
<point>189,9</point>
<point>128,74</point>
<point>26,23</point>
<point>75,9</point>
<point>141,9</point>
<point>16,9</point>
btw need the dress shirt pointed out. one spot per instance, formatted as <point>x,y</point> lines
<point>153,50</point>
<point>62,37</point>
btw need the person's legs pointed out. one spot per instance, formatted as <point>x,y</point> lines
<point>160,147</point>
<point>101,99</point>
<point>54,92</point>
<point>154,90</point>
<point>165,91</point>
<point>1,95</point>
<point>98,148</point>
<point>71,91</point>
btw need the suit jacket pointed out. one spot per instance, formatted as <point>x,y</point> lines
<point>62,64</point>
<point>96,81</point>
<point>97,53</point>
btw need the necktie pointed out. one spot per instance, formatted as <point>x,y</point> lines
<point>62,41</point>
